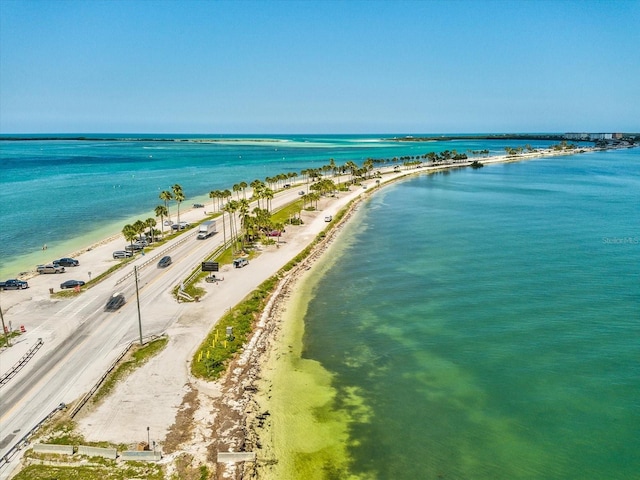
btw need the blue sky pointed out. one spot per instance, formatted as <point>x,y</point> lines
<point>319,66</point>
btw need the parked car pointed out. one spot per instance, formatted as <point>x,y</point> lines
<point>180,226</point>
<point>71,284</point>
<point>115,302</point>
<point>301,192</point>
<point>122,254</point>
<point>240,262</point>
<point>50,268</point>
<point>164,262</point>
<point>14,284</point>
<point>198,205</point>
<point>168,223</point>
<point>328,218</point>
<point>274,233</point>
<point>67,262</point>
<point>133,247</point>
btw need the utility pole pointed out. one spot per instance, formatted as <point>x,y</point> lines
<point>135,274</point>
<point>4,329</point>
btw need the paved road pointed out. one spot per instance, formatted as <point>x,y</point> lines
<point>81,340</point>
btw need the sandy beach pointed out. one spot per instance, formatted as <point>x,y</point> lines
<point>189,418</point>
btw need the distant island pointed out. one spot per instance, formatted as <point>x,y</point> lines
<point>583,137</point>
<point>599,139</point>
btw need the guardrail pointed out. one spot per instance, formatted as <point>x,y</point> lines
<point>21,363</point>
<point>85,398</point>
<point>25,439</point>
<point>159,255</point>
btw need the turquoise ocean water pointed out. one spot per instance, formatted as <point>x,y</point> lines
<point>488,323</point>
<point>70,193</point>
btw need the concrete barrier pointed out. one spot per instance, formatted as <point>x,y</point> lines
<point>236,457</point>
<point>97,452</point>
<point>140,456</point>
<point>51,448</point>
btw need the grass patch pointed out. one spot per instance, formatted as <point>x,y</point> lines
<point>287,212</point>
<point>61,431</point>
<point>148,471</point>
<point>217,350</point>
<point>11,335</point>
<point>137,357</point>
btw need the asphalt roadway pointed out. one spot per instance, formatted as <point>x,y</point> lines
<point>81,340</point>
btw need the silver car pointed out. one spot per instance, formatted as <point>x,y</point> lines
<point>50,268</point>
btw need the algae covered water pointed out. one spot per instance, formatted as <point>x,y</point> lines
<point>473,325</point>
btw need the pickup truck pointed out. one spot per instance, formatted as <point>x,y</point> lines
<point>240,262</point>
<point>50,268</point>
<point>13,284</point>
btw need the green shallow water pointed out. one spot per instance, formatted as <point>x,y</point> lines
<point>473,325</point>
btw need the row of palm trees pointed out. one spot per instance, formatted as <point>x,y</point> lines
<point>131,231</point>
<point>264,191</point>
<point>258,220</point>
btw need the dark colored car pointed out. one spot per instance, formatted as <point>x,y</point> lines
<point>13,284</point>
<point>240,262</point>
<point>198,205</point>
<point>164,262</point>
<point>67,262</point>
<point>180,226</point>
<point>115,302</point>
<point>71,284</point>
<point>134,247</point>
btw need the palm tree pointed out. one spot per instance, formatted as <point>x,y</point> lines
<point>314,197</point>
<point>280,227</point>
<point>332,164</point>
<point>139,226</point>
<point>213,194</point>
<point>267,194</point>
<point>165,196</point>
<point>352,167</point>
<point>161,211</point>
<point>178,196</point>
<point>226,194</point>
<point>243,208</point>
<point>129,232</point>
<point>236,188</point>
<point>256,185</point>
<point>151,225</point>
<point>243,186</point>
<point>231,207</point>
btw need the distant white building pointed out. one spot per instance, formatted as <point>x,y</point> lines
<point>590,136</point>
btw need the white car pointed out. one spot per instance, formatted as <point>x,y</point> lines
<point>328,218</point>
<point>122,254</point>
